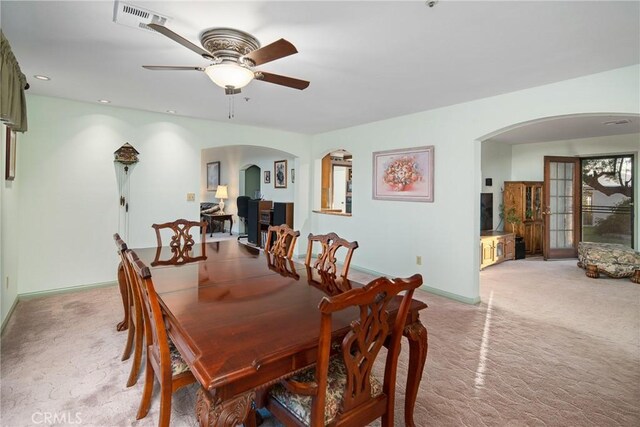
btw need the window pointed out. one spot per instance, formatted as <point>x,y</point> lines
<point>336,190</point>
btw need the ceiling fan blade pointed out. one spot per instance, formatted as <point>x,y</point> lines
<point>271,52</point>
<point>282,80</point>
<point>172,67</point>
<point>179,39</point>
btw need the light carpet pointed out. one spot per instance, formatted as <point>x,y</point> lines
<point>546,347</point>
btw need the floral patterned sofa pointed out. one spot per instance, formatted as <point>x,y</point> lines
<point>611,259</point>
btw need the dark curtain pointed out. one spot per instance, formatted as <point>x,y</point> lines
<point>13,107</point>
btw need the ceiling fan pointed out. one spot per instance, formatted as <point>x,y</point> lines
<point>233,55</point>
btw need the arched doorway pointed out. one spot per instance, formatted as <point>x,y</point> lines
<point>252,182</point>
<point>544,153</point>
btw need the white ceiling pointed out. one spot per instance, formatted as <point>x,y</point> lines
<point>366,61</point>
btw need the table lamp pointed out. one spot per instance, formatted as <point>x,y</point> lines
<point>221,193</point>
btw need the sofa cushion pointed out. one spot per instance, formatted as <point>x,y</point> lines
<point>612,259</point>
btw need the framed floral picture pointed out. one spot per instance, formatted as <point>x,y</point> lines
<point>213,176</point>
<point>280,174</point>
<point>267,177</point>
<point>405,174</point>
<point>10,166</point>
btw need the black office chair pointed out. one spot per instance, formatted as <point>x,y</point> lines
<point>243,212</point>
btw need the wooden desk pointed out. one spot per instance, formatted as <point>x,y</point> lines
<point>219,218</point>
<point>242,324</point>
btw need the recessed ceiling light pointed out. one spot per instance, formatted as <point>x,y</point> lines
<point>171,111</point>
<point>40,77</point>
<point>104,101</point>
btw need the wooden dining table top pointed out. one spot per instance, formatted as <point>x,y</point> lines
<point>240,322</point>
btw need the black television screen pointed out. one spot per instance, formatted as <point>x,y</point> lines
<point>486,211</point>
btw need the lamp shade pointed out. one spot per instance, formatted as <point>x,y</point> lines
<point>221,192</point>
<point>229,74</point>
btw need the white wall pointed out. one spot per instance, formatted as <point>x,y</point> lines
<point>496,164</point>
<point>9,237</point>
<point>68,197</point>
<point>445,232</point>
<point>232,159</point>
<point>68,201</point>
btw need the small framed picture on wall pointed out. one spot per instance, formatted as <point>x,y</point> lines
<point>213,176</point>
<point>280,171</point>
<point>267,177</point>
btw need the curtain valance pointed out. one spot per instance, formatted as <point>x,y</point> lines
<point>13,106</point>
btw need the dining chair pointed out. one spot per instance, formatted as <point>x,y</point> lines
<point>121,246</point>
<point>340,389</point>
<point>281,240</point>
<point>326,260</point>
<point>327,283</point>
<point>281,265</point>
<point>135,322</point>
<point>182,237</point>
<point>163,360</point>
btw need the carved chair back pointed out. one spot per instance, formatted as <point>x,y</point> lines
<point>155,332</point>
<point>134,315</point>
<point>281,241</point>
<point>160,359</point>
<point>120,244</point>
<point>359,350</point>
<point>281,265</point>
<point>327,282</point>
<point>181,228</point>
<point>326,260</point>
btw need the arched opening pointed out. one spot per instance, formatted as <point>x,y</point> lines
<point>556,209</point>
<point>251,178</point>
<point>249,171</point>
<point>336,191</point>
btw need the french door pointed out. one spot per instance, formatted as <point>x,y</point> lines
<point>562,207</point>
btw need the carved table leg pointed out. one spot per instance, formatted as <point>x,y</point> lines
<point>124,293</point>
<point>230,225</point>
<point>213,412</point>
<point>416,333</point>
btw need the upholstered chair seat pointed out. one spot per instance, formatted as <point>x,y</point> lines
<point>300,405</point>
<point>178,365</point>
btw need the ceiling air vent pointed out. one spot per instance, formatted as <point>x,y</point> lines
<point>134,16</point>
<point>617,122</point>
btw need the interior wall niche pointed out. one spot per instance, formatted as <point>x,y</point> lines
<point>336,190</point>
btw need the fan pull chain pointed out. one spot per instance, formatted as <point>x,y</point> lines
<point>232,107</point>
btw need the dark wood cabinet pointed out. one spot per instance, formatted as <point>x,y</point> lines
<point>283,213</point>
<point>254,234</point>
<point>525,197</point>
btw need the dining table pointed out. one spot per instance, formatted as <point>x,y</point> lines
<point>243,320</point>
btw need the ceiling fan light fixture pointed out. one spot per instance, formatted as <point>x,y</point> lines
<point>229,74</point>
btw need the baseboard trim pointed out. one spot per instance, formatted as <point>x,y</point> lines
<point>39,294</point>
<point>426,288</point>
<point>449,295</point>
<point>6,319</point>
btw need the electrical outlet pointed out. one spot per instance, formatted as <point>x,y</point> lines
<point>191,197</point>
<point>418,260</point>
